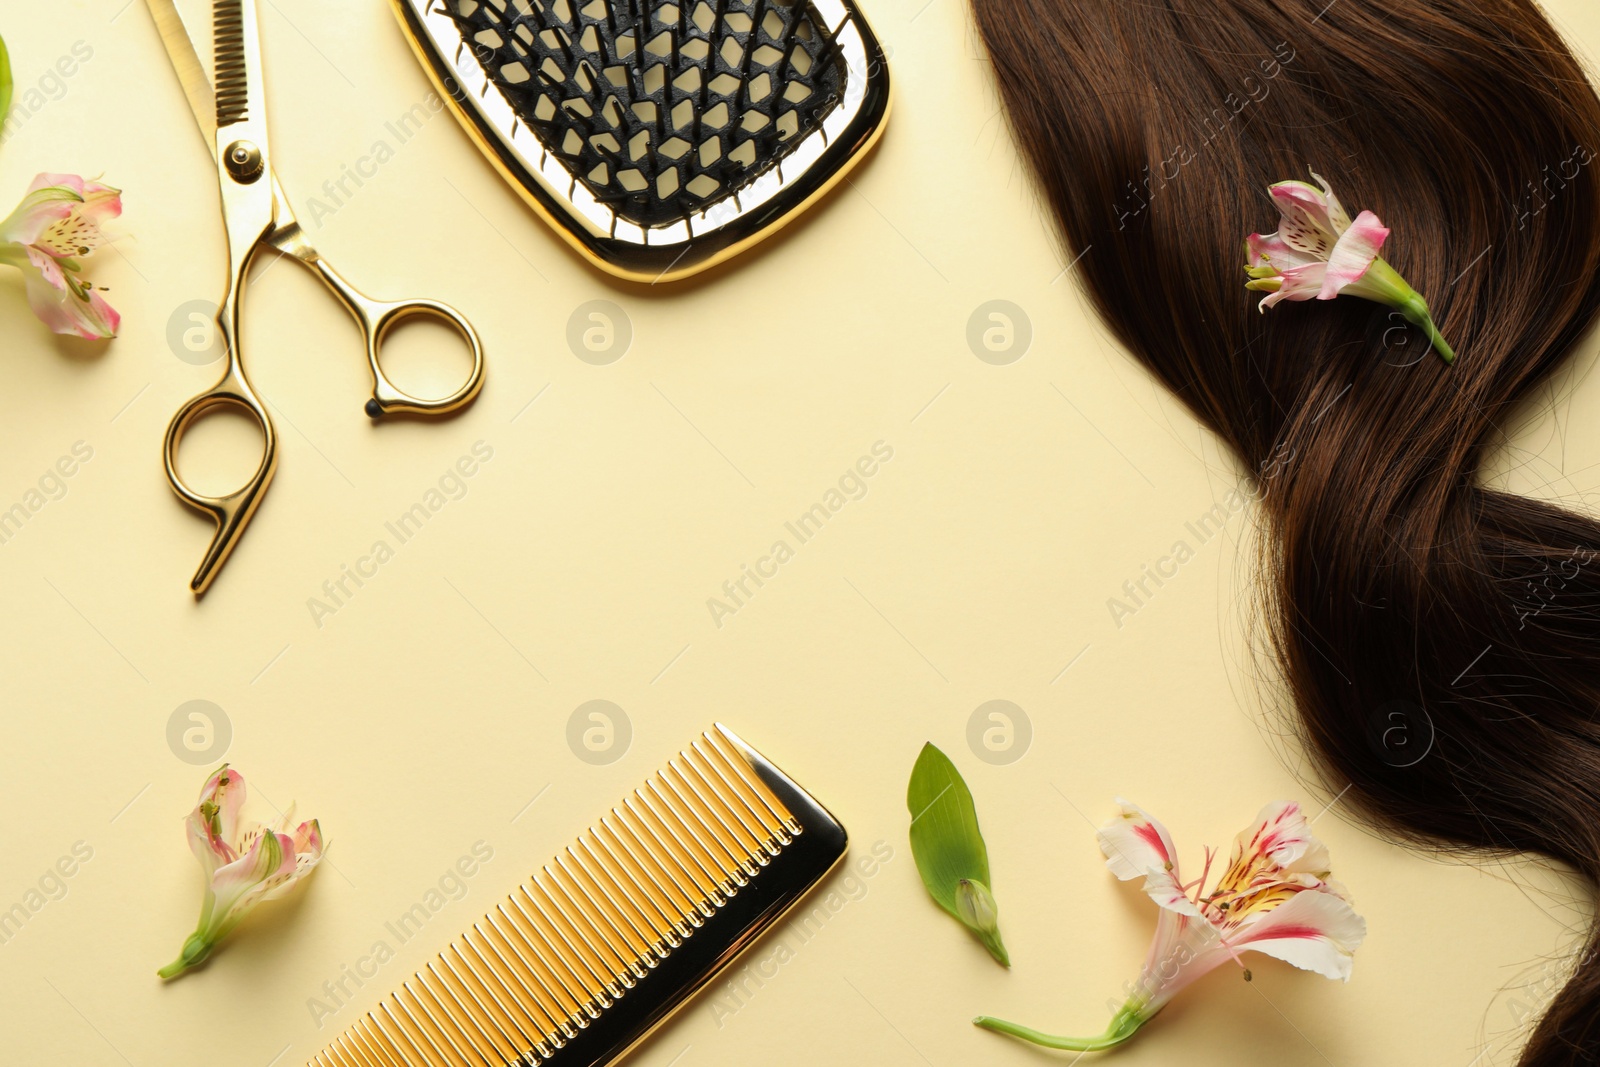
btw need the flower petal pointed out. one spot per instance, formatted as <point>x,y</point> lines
<point>101,202</point>
<point>221,800</point>
<point>308,838</point>
<point>1336,212</point>
<point>39,210</point>
<point>269,855</point>
<point>204,850</point>
<point>301,863</point>
<point>1297,283</point>
<point>1271,250</point>
<point>1353,254</point>
<point>1307,221</point>
<point>1314,931</point>
<point>65,312</point>
<point>1274,859</point>
<point>1183,950</point>
<point>47,265</point>
<point>78,232</point>
<point>1281,834</point>
<point>58,181</point>
<point>244,883</point>
<point>1136,845</point>
<point>1163,888</point>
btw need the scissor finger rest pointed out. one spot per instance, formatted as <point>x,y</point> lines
<point>388,397</point>
<point>231,512</point>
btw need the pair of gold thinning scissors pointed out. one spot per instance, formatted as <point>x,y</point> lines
<point>257,215</point>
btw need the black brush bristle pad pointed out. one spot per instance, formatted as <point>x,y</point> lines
<point>659,109</point>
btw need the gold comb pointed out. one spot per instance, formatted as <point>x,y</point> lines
<point>594,951</point>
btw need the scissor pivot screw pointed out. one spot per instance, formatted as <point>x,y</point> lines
<point>243,160</point>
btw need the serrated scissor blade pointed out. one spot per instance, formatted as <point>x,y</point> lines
<point>232,62</point>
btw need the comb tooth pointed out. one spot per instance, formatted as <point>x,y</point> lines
<point>378,1049</point>
<point>728,765</point>
<point>413,998</point>
<point>748,802</point>
<point>689,842</point>
<point>375,1051</point>
<point>459,1015</point>
<point>547,1021</point>
<point>560,1029</point>
<point>621,843</point>
<point>590,922</point>
<point>533,908</point>
<point>634,839</point>
<point>715,836</point>
<point>706,896</point>
<point>356,1052</point>
<point>352,1041</point>
<point>356,1038</point>
<point>643,898</point>
<point>487,991</point>
<point>404,1034</point>
<point>468,1015</point>
<point>233,82</point>
<point>343,1053</point>
<point>690,829</point>
<point>568,1011</point>
<point>499,986</point>
<point>695,795</point>
<point>383,1032</point>
<point>670,857</point>
<point>636,944</point>
<point>703,781</point>
<point>635,905</point>
<point>747,774</point>
<point>572,982</point>
<point>575,930</point>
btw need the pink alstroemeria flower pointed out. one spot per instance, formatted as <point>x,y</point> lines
<point>244,864</point>
<point>1318,253</point>
<point>1274,898</point>
<point>55,226</point>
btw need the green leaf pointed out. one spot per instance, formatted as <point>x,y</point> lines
<point>5,83</point>
<point>949,849</point>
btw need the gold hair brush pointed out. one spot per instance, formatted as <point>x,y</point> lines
<point>659,137</point>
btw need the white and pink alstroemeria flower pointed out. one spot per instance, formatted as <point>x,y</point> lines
<point>55,227</point>
<point>244,864</point>
<point>1274,897</point>
<point>1319,253</point>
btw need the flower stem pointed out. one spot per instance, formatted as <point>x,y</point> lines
<point>1416,312</point>
<point>195,951</point>
<point>1123,1025</point>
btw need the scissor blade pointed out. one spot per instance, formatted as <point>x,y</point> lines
<point>186,62</point>
<point>232,62</point>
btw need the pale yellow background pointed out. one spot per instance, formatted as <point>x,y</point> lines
<point>429,710</point>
